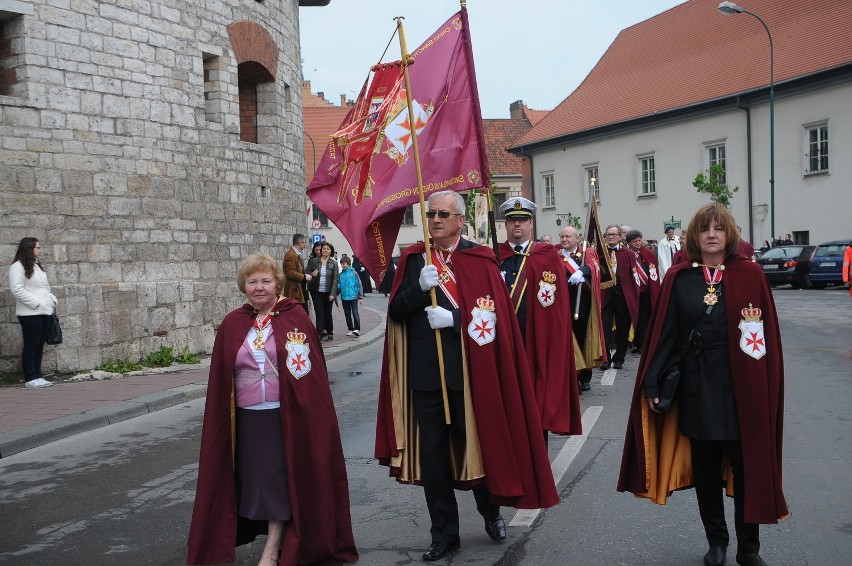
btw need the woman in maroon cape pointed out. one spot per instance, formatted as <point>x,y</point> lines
<point>725,425</point>
<point>271,457</point>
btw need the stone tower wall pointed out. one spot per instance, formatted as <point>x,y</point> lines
<point>120,151</point>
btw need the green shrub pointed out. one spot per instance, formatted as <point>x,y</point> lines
<point>9,378</point>
<point>124,365</point>
<point>161,358</point>
<point>187,357</point>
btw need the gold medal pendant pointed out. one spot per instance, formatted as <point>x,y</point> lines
<point>710,299</point>
<point>258,342</point>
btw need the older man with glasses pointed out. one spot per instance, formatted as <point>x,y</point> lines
<point>614,304</point>
<point>488,387</point>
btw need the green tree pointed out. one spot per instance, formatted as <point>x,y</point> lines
<point>711,184</point>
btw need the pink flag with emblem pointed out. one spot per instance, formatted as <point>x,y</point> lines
<point>367,177</point>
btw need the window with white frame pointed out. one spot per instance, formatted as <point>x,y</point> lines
<point>816,144</point>
<point>647,176</point>
<point>408,216</point>
<point>591,176</point>
<point>548,189</point>
<point>716,156</point>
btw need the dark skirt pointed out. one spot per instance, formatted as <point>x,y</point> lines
<point>261,472</point>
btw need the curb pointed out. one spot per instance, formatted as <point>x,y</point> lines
<point>22,439</point>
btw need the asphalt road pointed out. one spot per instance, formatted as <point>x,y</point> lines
<point>123,494</point>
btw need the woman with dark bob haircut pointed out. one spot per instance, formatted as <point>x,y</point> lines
<point>724,426</point>
<point>266,466</point>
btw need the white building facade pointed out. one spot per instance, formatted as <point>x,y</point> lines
<point>644,170</point>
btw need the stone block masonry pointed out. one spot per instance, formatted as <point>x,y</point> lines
<point>121,150</point>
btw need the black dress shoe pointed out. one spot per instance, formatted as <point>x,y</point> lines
<point>605,366</point>
<point>618,365</point>
<point>496,528</point>
<point>585,387</point>
<point>438,550</point>
<point>715,556</point>
<point>750,560</point>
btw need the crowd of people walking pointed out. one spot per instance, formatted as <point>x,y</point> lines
<point>475,378</point>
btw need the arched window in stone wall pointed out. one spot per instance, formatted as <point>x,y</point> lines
<point>257,66</point>
<point>254,88</point>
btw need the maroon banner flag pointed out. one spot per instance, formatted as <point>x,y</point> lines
<point>595,237</point>
<point>367,175</point>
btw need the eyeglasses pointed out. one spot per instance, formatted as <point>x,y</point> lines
<point>612,234</point>
<point>441,213</point>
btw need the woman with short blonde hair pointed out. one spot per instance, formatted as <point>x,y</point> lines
<point>265,466</point>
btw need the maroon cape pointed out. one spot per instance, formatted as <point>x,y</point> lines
<point>745,249</point>
<point>321,529</point>
<point>517,468</point>
<point>625,257</point>
<point>549,345</point>
<point>758,390</point>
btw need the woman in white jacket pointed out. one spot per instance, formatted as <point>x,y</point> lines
<point>34,306</point>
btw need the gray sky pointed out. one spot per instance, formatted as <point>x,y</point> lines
<point>537,51</point>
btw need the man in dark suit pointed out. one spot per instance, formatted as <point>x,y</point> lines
<point>640,281</point>
<point>490,366</point>
<point>615,305</point>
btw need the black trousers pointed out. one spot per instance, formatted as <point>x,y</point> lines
<point>642,318</point>
<point>353,317</point>
<point>323,312</point>
<point>435,469</point>
<point>34,329</point>
<point>616,309</point>
<point>706,463</point>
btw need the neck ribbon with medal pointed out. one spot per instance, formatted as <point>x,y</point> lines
<point>443,261</point>
<point>711,279</point>
<point>260,323</point>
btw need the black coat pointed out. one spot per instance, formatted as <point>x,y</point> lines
<point>408,306</point>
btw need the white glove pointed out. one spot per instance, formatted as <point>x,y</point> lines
<point>428,277</point>
<point>439,317</point>
<point>576,278</point>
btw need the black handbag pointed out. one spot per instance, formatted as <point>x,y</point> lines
<point>54,331</point>
<point>668,382</point>
<point>670,375</point>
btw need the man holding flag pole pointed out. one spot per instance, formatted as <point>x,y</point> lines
<point>417,128</point>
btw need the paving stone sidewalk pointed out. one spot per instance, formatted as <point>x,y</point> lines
<point>33,417</point>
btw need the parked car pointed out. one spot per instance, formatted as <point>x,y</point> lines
<point>788,264</point>
<point>827,263</point>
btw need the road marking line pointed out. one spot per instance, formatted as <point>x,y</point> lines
<point>525,517</point>
<point>608,377</point>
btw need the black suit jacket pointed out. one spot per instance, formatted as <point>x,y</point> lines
<point>407,306</point>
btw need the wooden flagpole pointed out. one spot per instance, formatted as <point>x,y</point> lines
<point>585,242</point>
<point>407,60</point>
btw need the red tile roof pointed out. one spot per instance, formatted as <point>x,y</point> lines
<point>500,134</point>
<point>692,54</point>
<point>322,121</point>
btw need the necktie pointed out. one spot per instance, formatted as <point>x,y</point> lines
<point>518,249</point>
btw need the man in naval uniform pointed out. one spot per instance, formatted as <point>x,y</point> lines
<point>533,274</point>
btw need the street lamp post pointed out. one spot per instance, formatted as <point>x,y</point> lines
<point>729,8</point>
<point>560,216</point>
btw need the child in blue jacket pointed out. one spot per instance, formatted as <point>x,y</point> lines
<point>352,294</point>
